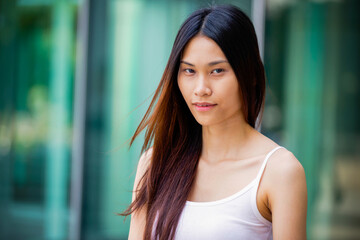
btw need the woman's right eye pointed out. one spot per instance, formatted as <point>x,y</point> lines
<point>189,71</point>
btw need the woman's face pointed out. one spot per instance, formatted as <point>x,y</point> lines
<point>208,83</point>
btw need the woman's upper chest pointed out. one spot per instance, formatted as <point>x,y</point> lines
<point>214,181</point>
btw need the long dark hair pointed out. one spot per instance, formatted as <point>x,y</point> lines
<point>175,135</point>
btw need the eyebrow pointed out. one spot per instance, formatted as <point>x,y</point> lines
<point>210,63</point>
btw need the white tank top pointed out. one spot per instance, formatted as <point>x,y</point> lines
<point>233,217</point>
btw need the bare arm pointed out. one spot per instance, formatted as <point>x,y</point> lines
<point>137,223</point>
<point>288,198</point>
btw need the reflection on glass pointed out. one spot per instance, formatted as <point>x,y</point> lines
<point>36,45</point>
<point>311,57</point>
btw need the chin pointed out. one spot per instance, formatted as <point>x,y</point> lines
<point>205,122</point>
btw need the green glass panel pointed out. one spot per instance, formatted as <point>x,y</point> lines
<point>312,50</point>
<point>36,64</point>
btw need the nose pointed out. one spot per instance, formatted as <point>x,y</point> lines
<point>202,87</point>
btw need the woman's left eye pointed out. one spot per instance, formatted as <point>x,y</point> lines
<point>218,70</point>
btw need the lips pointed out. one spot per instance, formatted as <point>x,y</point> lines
<point>204,106</point>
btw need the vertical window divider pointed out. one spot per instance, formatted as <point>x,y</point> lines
<point>77,163</point>
<point>258,18</point>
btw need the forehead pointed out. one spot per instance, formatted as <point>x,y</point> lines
<point>201,49</point>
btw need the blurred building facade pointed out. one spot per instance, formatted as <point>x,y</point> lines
<point>76,77</point>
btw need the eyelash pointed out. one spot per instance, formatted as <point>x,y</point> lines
<point>221,70</point>
<point>189,71</point>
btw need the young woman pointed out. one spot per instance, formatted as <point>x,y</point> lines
<point>209,174</point>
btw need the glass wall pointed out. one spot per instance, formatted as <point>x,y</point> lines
<point>37,44</point>
<point>312,56</point>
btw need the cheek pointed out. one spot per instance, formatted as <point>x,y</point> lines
<point>231,93</point>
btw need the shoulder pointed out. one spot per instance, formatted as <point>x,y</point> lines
<point>284,166</point>
<point>143,165</point>
<point>285,178</point>
<point>286,195</point>
<point>145,159</point>
<point>138,217</point>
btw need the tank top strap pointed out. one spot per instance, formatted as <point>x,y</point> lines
<point>258,177</point>
<point>256,186</point>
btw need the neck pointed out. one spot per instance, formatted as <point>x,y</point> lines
<point>226,141</point>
